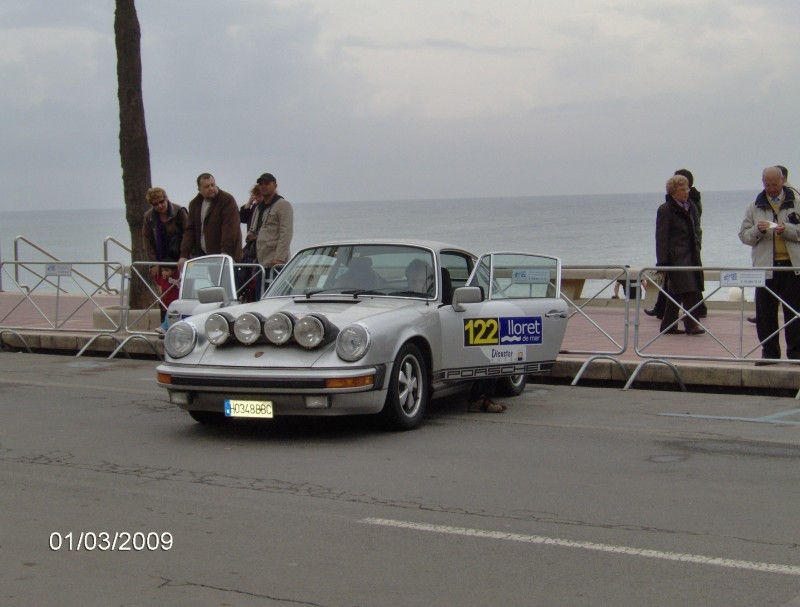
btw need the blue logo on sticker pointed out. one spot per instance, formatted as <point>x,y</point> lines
<point>526,330</point>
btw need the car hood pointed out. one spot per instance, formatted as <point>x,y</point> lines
<point>341,311</point>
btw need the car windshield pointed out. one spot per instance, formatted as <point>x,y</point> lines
<point>376,269</point>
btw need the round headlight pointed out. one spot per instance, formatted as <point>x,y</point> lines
<point>247,328</point>
<point>309,332</point>
<point>278,328</point>
<point>218,329</point>
<point>352,342</point>
<point>180,340</point>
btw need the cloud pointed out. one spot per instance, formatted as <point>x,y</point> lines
<point>353,100</point>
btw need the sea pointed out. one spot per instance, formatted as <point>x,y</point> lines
<point>597,230</point>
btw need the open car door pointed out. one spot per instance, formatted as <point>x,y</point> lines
<point>209,271</point>
<point>517,326</point>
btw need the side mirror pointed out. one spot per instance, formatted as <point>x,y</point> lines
<point>466,295</point>
<point>211,295</point>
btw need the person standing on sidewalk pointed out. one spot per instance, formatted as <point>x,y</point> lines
<point>213,226</point>
<point>696,198</point>
<point>771,226</point>
<point>676,245</point>
<point>274,234</point>
<point>163,225</point>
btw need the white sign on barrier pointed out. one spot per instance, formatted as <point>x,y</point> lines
<point>742,278</point>
<point>58,269</point>
<point>530,276</point>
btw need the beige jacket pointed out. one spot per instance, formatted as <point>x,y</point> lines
<point>275,234</point>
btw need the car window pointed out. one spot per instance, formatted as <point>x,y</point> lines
<point>517,276</point>
<point>210,271</point>
<point>458,265</point>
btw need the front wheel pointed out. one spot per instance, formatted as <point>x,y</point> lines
<point>408,390</point>
<point>512,386</point>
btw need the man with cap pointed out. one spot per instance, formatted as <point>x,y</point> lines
<point>277,224</point>
<point>213,225</point>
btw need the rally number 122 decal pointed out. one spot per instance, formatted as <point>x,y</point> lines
<point>481,332</point>
<point>526,330</point>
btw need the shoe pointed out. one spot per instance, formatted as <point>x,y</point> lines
<point>751,319</point>
<point>675,331</point>
<point>695,331</point>
<point>484,404</point>
<point>650,312</point>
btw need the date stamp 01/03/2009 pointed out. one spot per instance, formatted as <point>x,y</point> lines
<point>115,541</point>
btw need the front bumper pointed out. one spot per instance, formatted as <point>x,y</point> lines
<point>291,391</point>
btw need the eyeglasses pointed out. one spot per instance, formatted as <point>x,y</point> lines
<point>156,203</point>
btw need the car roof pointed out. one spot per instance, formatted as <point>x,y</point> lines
<point>431,244</point>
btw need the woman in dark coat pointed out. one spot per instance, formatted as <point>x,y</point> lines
<point>676,245</point>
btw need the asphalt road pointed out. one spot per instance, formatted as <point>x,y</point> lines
<point>575,496</point>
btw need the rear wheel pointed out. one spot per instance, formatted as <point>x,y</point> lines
<point>512,386</point>
<point>208,417</point>
<point>407,398</point>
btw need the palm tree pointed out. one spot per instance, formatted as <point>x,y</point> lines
<point>133,148</point>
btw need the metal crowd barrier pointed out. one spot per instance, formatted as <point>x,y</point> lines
<point>60,298</point>
<point>728,336</point>
<point>729,277</point>
<point>722,342</point>
<point>50,258</point>
<point>591,319</point>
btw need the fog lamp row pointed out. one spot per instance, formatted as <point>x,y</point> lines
<point>280,328</point>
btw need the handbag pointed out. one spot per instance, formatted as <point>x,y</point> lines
<point>174,247</point>
<point>249,252</point>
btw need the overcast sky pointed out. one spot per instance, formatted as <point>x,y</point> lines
<point>398,99</point>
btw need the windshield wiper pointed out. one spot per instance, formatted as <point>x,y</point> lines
<point>411,293</point>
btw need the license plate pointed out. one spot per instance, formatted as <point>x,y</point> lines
<point>248,408</point>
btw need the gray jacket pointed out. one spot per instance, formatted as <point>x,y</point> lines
<point>762,244</point>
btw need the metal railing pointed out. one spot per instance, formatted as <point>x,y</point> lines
<point>728,339</point>
<point>27,264</point>
<point>30,307</point>
<point>111,240</point>
<point>613,336</point>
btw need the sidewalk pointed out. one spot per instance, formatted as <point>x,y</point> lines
<point>721,358</point>
<point>66,323</point>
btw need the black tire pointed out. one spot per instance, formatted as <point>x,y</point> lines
<point>512,386</point>
<point>211,418</point>
<point>408,393</point>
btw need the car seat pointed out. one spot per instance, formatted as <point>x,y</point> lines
<point>359,275</point>
<point>447,287</point>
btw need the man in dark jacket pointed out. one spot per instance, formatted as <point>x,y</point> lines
<point>213,225</point>
<point>677,245</point>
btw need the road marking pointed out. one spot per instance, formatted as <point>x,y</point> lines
<point>795,602</point>
<point>561,543</point>
<point>776,418</point>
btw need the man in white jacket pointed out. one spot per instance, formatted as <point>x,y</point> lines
<point>771,226</point>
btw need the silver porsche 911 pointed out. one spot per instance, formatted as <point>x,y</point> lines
<point>368,327</point>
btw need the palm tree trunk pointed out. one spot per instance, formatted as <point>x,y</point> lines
<point>133,148</point>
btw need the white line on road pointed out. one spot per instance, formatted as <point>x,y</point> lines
<point>626,550</point>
